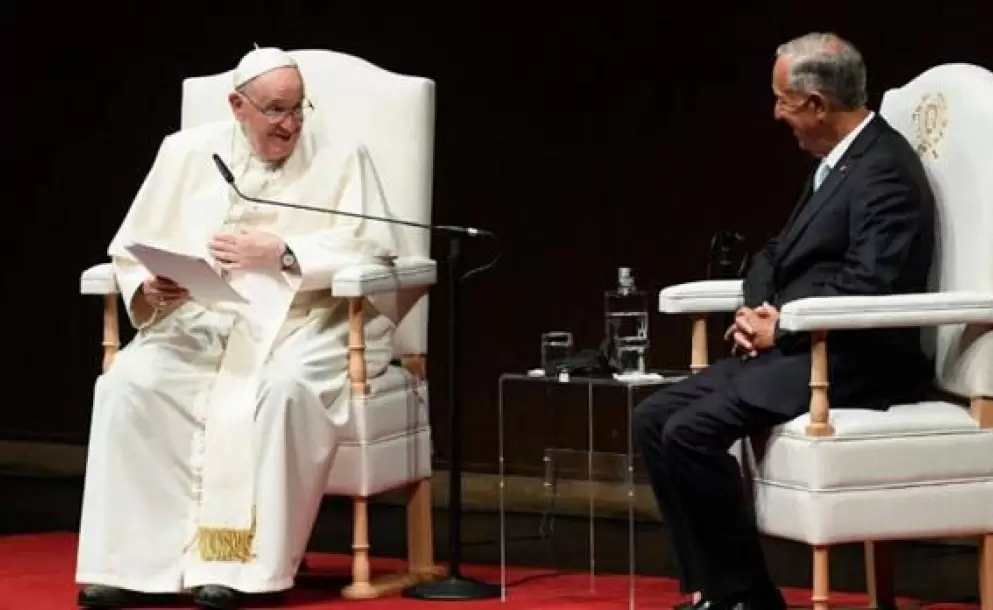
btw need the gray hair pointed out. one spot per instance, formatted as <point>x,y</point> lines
<point>827,64</point>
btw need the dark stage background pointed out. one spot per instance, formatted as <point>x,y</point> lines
<point>624,133</point>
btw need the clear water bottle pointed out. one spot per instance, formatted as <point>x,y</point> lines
<point>626,317</point>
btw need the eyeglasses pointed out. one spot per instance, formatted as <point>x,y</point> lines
<point>793,105</point>
<point>275,114</point>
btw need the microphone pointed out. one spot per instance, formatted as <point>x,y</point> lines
<point>229,178</point>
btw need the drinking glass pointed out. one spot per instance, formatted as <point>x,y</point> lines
<point>630,352</point>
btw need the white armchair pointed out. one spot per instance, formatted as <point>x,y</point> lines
<point>918,470</point>
<point>386,443</point>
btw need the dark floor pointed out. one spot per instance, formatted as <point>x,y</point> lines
<point>929,572</point>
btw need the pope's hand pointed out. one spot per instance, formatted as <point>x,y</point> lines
<point>161,292</point>
<point>249,250</point>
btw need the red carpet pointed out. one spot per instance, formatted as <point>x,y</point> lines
<point>36,573</point>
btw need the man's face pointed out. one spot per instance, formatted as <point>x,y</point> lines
<point>271,110</point>
<point>805,114</point>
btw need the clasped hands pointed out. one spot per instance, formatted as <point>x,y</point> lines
<point>753,330</point>
<point>233,252</point>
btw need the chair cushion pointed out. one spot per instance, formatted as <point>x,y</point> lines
<point>916,470</point>
<point>927,442</point>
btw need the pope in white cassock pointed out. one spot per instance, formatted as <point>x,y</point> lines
<point>214,430</point>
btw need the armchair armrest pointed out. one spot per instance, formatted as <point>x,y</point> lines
<point>887,311</point>
<point>819,315</point>
<point>405,272</point>
<point>706,296</point>
<point>98,279</point>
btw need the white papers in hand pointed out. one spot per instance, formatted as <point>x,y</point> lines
<point>194,273</point>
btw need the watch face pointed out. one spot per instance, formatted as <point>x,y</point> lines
<point>289,259</point>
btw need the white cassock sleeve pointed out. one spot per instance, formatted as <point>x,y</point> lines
<point>350,241</point>
<point>152,207</point>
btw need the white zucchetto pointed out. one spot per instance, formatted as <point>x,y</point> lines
<point>259,61</point>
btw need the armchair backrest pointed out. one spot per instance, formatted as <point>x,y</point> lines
<point>947,114</point>
<point>391,114</point>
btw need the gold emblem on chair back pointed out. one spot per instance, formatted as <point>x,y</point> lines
<point>930,119</point>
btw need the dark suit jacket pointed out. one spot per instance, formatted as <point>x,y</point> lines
<point>868,230</point>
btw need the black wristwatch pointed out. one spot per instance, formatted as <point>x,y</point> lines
<point>289,259</point>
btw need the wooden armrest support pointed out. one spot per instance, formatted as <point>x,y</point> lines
<point>111,331</point>
<point>699,358</point>
<point>819,404</point>
<point>356,347</point>
<point>982,411</point>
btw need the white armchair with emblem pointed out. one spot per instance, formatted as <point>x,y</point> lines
<point>916,471</point>
<point>386,443</point>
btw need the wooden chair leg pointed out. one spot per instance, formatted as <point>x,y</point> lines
<point>982,412</point>
<point>879,575</point>
<point>420,533</point>
<point>822,579</point>
<point>420,567</point>
<point>361,587</point>
<point>986,572</point>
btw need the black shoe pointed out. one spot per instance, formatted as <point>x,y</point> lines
<point>216,597</point>
<point>102,596</point>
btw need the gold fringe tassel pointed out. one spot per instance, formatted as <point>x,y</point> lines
<point>225,544</point>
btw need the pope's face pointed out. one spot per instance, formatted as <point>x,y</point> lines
<point>270,108</point>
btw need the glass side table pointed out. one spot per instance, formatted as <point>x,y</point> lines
<point>631,388</point>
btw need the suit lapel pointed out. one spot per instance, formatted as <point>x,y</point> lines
<point>805,195</point>
<point>805,213</point>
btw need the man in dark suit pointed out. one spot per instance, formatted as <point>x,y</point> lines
<point>863,226</point>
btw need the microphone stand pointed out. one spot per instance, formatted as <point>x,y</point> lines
<point>455,586</point>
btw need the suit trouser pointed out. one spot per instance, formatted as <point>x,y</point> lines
<point>684,432</point>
